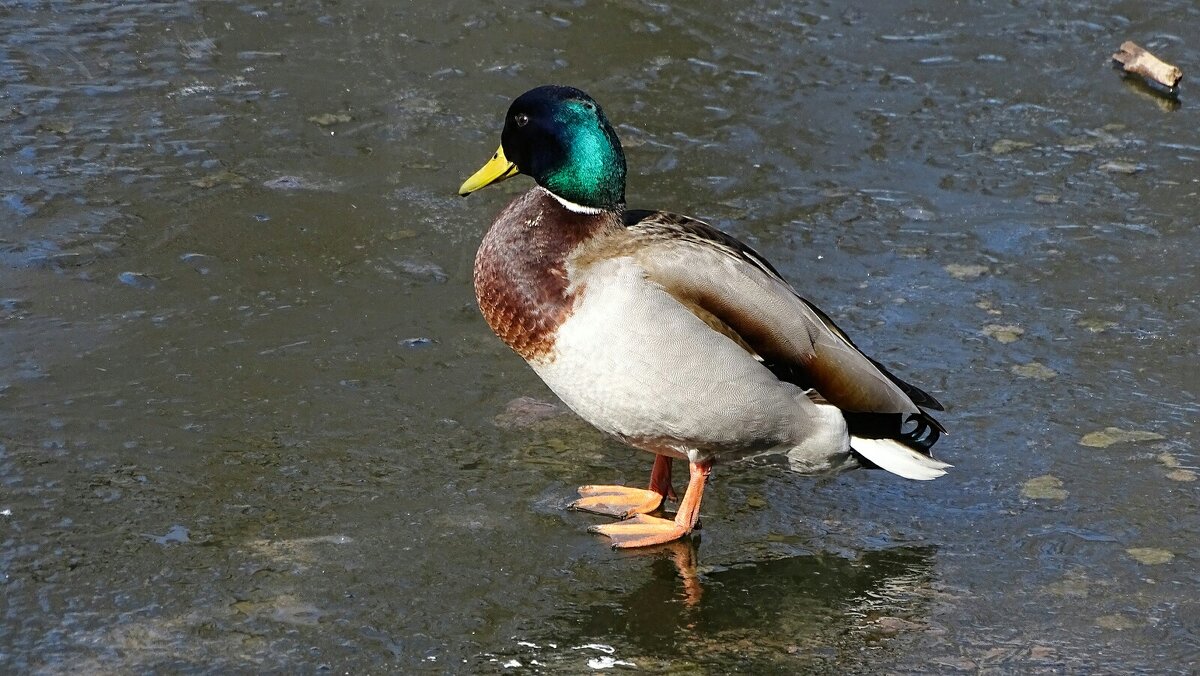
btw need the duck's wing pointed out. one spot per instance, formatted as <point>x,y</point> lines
<point>740,294</point>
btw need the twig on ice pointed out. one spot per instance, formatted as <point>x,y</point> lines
<point>1138,61</point>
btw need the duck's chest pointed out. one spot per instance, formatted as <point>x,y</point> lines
<point>521,271</point>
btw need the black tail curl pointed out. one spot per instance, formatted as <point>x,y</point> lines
<point>924,431</point>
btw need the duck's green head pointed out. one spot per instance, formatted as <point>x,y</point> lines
<point>560,137</point>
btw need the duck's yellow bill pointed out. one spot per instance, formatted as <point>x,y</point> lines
<point>497,169</point>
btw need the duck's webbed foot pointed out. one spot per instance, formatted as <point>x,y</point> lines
<point>643,530</point>
<point>619,501</point>
<point>624,501</point>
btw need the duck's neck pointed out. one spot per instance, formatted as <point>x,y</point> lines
<point>521,271</point>
<point>573,207</point>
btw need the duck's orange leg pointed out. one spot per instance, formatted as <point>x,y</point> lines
<point>626,501</point>
<point>642,530</point>
<point>660,477</point>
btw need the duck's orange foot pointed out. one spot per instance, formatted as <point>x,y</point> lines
<point>641,531</point>
<point>619,501</point>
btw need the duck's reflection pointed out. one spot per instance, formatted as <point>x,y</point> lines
<point>796,600</point>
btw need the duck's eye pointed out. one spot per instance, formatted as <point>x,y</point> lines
<point>521,119</point>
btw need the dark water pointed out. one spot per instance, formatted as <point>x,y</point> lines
<point>250,418</point>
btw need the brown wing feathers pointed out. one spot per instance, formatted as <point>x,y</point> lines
<point>798,342</point>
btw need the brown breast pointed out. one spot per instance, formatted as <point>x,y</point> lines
<point>521,269</point>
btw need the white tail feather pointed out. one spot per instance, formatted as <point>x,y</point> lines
<point>899,459</point>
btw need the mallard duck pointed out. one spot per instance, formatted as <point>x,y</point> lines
<point>668,334</point>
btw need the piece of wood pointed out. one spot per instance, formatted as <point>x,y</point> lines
<point>1138,61</point>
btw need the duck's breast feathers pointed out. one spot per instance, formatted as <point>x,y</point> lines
<point>739,293</point>
<point>521,280</point>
